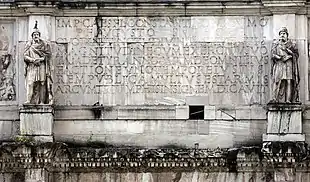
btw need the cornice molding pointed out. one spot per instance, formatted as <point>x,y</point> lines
<point>64,157</point>
<point>151,8</point>
<point>285,6</point>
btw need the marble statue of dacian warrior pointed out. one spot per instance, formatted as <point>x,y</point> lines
<point>37,56</point>
<point>285,74</point>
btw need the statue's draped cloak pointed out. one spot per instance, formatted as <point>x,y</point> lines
<point>42,71</point>
<point>286,70</point>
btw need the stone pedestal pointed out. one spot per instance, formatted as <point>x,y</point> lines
<point>284,122</point>
<point>37,121</point>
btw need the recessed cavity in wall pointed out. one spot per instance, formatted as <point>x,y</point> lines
<point>196,112</point>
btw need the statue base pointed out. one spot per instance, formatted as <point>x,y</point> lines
<point>284,122</point>
<point>36,121</point>
<point>284,137</point>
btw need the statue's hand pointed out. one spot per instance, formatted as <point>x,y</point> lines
<point>276,56</point>
<point>286,57</point>
<point>289,51</point>
<point>37,61</point>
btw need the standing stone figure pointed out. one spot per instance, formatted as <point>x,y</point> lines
<point>38,70</point>
<point>285,74</point>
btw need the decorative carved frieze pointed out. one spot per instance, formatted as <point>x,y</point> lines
<point>281,153</point>
<point>65,157</point>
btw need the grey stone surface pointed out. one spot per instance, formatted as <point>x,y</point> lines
<point>6,129</point>
<point>152,141</point>
<point>146,63</point>
<point>248,133</point>
<point>156,133</point>
<point>258,112</point>
<point>203,127</point>
<point>43,139</point>
<point>197,100</point>
<point>144,51</point>
<point>306,129</point>
<point>71,112</point>
<point>36,175</point>
<point>115,127</point>
<point>181,112</point>
<point>36,120</point>
<point>243,112</point>
<point>9,112</point>
<point>285,118</point>
<point>6,177</point>
<point>286,174</point>
<point>223,113</point>
<point>284,138</point>
<point>235,113</point>
<point>194,176</point>
<point>146,112</point>
<point>209,112</point>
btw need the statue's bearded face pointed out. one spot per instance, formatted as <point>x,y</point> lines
<point>283,36</point>
<point>36,36</point>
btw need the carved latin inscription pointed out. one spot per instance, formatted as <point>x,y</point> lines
<point>162,56</point>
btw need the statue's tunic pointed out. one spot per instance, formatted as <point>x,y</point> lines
<point>32,52</point>
<point>286,68</point>
<point>282,69</point>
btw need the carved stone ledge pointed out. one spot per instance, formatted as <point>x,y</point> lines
<point>63,157</point>
<point>285,153</point>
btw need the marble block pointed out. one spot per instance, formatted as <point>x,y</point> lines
<point>284,122</point>
<point>284,138</point>
<point>284,118</point>
<point>36,120</point>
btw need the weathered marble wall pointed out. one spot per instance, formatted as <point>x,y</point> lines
<point>161,177</point>
<point>162,125</point>
<point>147,70</point>
<point>181,177</point>
<point>143,64</point>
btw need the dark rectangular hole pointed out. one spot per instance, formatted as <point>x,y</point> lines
<point>196,112</point>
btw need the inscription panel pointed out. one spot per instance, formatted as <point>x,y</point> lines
<point>139,60</point>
